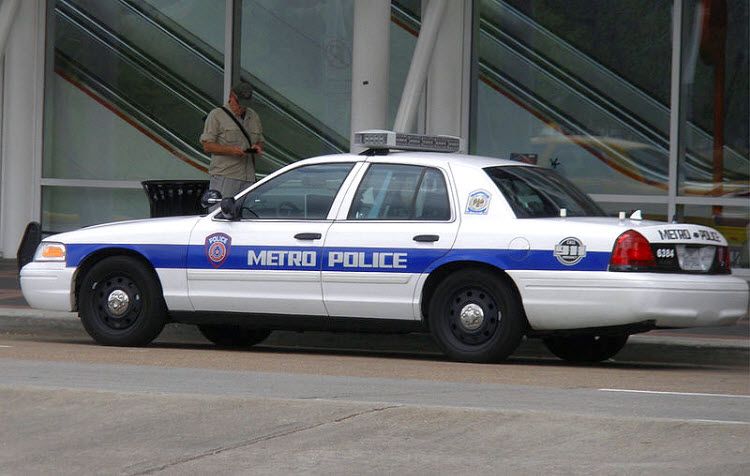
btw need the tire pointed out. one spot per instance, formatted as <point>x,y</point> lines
<point>123,281</point>
<point>233,336</point>
<point>585,348</point>
<point>492,323</point>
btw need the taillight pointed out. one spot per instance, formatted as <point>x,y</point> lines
<point>632,252</point>
<point>723,260</point>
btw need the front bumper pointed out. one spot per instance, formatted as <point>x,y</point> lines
<point>48,285</point>
<point>580,299</point>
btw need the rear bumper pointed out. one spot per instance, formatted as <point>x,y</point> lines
<point>48,286</point>
<point>581,299</point>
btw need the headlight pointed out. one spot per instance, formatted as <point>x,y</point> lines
<point>50,251</point>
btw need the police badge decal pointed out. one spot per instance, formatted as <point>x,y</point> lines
<point>217,248</point>
<point>478,203</point>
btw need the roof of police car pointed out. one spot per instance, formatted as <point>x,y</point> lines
<point>421,158</point>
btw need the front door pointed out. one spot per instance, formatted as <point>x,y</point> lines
<point>268,261</point>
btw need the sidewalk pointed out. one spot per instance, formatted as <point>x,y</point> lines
<point>726,346</point>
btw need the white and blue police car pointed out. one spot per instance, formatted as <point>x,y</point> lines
<point>405,237</point>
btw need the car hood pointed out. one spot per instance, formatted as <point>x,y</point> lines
<point>171,230</point>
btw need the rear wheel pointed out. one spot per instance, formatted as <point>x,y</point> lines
<point>585,348</point>
<point>121,303</point>
<point>233,336</point>
<point>475,317</point>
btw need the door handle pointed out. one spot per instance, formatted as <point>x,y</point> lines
<point>426,238</point>
<point>308,236</point>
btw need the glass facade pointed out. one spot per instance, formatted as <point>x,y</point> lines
<point>128,85</point>
<point>716,82</point>
<point>551,67</point>
<point>585,88</point>
<point>581,87</point>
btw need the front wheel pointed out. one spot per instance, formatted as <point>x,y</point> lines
<point>585,348</point>
<point>121,303</point>
<point>475,317</point>
<point>233,336</point>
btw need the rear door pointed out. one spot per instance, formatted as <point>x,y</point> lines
<point>398,220</point>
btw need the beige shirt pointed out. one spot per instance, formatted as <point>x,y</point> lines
<point>222,130</point>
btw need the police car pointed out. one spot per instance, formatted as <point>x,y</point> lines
<point>406,237</point>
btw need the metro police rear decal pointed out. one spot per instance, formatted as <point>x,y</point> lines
<point>217,248</point>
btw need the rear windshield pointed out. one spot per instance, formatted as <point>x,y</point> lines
<point>534,192</point>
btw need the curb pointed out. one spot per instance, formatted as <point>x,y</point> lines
<point>641,348</point>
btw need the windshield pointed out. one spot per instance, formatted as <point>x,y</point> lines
<point>534,192</point>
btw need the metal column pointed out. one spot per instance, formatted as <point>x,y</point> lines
<point>449,77</point>
<point>677,109</point>
<point>370,65</point>
<point>407,110</point>
<point>232,38</point>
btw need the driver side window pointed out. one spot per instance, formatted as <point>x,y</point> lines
<point>305,193</point>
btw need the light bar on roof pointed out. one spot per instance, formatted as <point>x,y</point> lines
<point>377,139</point>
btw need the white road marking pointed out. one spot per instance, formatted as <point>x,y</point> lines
<point>722,421</point>
<point>6,346</point>
<point>683,394</point>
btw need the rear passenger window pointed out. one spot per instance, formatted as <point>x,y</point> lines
<point>401,192</point>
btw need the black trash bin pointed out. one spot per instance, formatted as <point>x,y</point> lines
<point>169,198</point>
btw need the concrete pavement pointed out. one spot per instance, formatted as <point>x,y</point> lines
<point>66,431</point>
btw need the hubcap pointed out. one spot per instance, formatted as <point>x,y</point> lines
<point>118,302</point>
<point>472,317</point>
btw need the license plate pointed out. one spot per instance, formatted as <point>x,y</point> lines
<point>695,258</point>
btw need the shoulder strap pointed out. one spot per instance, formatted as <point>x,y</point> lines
<point>239,124</point>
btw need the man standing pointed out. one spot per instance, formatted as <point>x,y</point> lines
<point>232,166</point>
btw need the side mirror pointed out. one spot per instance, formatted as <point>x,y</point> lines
<point>229,208</point>
<point>210,197</point>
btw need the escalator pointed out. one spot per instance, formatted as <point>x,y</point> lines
<point>609,117</point>
<point>166,80</point>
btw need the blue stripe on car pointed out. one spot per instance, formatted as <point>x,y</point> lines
<point>417,260</point>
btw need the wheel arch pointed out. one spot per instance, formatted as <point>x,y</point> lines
<point>92,259</point>
<point>437,275</point>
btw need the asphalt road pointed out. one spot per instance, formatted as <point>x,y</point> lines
<point>181,406</point>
